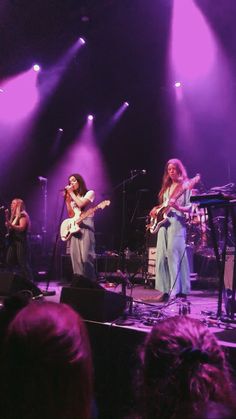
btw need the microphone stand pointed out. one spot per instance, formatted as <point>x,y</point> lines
<point>44,184</point>
<point>53,257</point>
<point>122,258</point>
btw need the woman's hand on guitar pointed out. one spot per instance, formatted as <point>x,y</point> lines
<point>173,204</point>
<point>153,212</point>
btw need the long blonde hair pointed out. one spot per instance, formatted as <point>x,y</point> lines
<point>166,182</point>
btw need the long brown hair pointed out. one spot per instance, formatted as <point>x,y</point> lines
<point>82,189</point>
<point>47,356</point>
<point>183,368</point>
<point>166,182</point>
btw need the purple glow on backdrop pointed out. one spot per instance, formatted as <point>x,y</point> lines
<point>204,106</point>
<point>82,157</point>
<point>19,98</point>
<point>192,46</point>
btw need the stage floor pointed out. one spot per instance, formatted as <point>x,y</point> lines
<point>145,311</point>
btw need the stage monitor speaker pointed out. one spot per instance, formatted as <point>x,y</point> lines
<point>80,281</point>
<point>11,283</point>
<point>94,304</point>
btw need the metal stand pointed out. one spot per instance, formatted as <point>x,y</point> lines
<point>44,187</point>
<point>125,280</point>
<point>228,206</point>
<point>53,257</point>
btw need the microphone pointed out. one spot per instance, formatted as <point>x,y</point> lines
<point>2,207</point>
<point>42,179</point>
<point>65,189</point>
<point>138,172</point>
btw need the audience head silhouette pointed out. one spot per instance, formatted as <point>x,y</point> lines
<point>47,364</point>
<point>183,370</point>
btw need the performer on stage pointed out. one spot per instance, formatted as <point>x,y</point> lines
<point>172,268</point>
<point>82,243</point>
<point>18,225</point>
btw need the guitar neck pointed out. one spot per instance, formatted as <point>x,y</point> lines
<point>90,211</point>
<point>189,184</point>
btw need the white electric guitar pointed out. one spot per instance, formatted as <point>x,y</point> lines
<point>72,225</point>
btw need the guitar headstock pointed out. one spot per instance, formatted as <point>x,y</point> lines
<point>197,177</point>
<point>189,184</point>
<point>104,204</point>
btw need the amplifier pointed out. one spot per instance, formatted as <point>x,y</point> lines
<point>152,261</point>
<point>229,269</point>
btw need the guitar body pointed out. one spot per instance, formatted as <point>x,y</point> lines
<point>68,227</point>
<point>160,218</point>
<point>72,225</point>
<point>162,211</point>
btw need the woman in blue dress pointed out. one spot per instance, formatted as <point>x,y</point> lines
<point>172,267</point>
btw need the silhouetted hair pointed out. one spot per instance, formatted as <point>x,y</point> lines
<point>166,182</point>
<point>46,371</point>
<point>82,185</point>
<point>183,368</point>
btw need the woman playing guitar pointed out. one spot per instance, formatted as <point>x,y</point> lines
<point>82,244</point>
<point>172,268</point>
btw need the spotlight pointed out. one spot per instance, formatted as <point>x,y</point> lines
<point>60,129</point>
<point>90,117</point>
<point>36,67</point>
<point>178,84</point>
<point>82,41</point>
<point>126,104</point>
<point>1,90</point>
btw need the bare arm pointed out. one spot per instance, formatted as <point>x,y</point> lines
<point>152,213</point>
<point>22,226</point>
<point>80,202</point>
<point>184,209</point>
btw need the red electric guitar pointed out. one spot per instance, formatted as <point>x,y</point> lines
<point>163,209</point>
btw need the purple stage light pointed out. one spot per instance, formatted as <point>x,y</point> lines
<point>20,97</point>
<point>82,41</point>
<point>90,117</point>
<point>60,129</point>
<point>178,84</point>
<point>36,67</point>
<point>192,44</point>
<point>126,104</point>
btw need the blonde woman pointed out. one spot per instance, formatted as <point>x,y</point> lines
<point>18,225</point>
